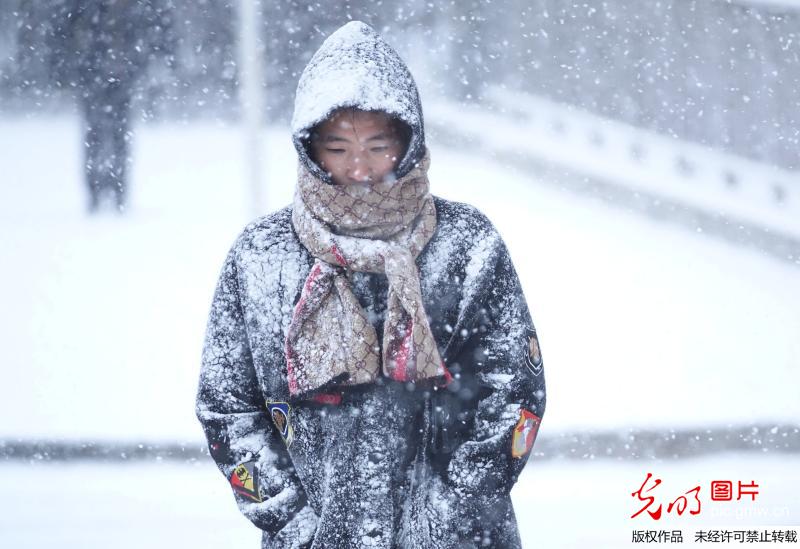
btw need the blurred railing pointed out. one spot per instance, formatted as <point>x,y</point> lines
<point>701,188</point>
<point>724,73</point>
<point>578,445</point>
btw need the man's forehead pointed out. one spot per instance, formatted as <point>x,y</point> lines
<point>373,122</point>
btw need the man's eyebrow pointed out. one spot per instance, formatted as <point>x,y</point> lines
<point>333,137</point>
<point>382,135</point>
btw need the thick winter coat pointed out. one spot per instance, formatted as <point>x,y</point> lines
<point>385,464</point>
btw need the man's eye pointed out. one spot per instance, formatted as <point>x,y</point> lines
<point>335,151</point>
<point>380,149</point>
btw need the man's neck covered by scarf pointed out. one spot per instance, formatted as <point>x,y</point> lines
<point>377,228</point>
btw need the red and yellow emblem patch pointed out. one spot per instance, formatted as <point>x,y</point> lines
<point>524,433</point>
<point>244,481</point>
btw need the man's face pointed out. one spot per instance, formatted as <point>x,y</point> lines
<point>357,146</point>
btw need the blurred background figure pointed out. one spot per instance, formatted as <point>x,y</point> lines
<point>101,49</point>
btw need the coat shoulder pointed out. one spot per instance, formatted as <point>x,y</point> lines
<point>265,232</point>
<point>465,219</point>
<point>467,243</point>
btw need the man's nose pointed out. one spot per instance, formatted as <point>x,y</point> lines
<point>358,169</point>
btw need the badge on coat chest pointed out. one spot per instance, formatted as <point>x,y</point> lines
<point>281,417</point>
<point>533,358</point>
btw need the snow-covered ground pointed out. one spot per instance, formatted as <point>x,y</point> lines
<point>642,324</point>
<point>558,505</point>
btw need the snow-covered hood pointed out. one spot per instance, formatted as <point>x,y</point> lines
<point>355,67</point>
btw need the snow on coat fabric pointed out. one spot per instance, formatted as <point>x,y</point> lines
<point>386,464</point>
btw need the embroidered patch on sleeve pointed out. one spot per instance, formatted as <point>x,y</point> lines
<point>244,481</point>
<point>524,433</point>
<point>281,417</point>
<point>533,358</point>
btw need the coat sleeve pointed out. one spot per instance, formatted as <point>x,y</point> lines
<point>241,438</point>
<point>499,385</point>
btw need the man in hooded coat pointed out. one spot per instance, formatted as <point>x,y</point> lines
<point>371,375</point>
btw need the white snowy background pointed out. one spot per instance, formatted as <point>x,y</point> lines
<point>643,324</point>
<point>647,322</point>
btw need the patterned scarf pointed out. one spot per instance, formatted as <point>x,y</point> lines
<point>376,228</point>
